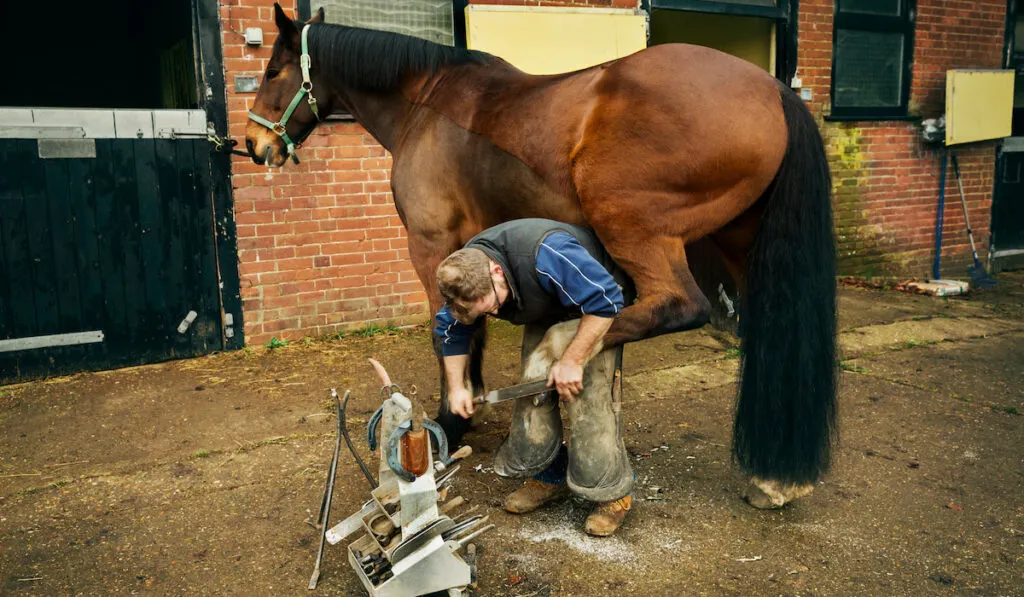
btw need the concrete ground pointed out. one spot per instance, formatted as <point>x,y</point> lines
<point>202,477</point>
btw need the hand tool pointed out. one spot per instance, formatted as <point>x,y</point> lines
<point>539,389</point>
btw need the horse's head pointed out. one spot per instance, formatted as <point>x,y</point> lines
<point>286,109</point>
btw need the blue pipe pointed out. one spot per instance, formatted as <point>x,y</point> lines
<point>938,216</point>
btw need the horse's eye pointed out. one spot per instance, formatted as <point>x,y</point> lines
<point>272,72</point>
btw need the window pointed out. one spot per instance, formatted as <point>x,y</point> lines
<point>431,20</point>
<point>766,9</point>
<point>439,21</point>
<point>117,54</point>
<point>872,54</point>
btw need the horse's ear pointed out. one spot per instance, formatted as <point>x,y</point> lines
<point>318,17</point>
<point>285,26</point>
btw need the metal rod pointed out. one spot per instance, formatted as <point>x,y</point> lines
<point>342,415</point>
<point>464,526</point>
<point>463,542</point>
<point>325,506</point>
<point>467,513</point>
<point>447,475</point>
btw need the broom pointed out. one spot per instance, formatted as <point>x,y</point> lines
<point>977,271</point>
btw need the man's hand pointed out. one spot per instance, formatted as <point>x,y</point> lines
<point>460,401</point>
<point>567,378</point>
<point>460,398</point>
<point>567,373</point>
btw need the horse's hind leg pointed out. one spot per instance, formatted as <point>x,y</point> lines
<point>646,233</point>
<point>668,297</point>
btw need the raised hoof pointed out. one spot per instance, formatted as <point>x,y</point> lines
<point>607,517</point>
<point>532,495</point>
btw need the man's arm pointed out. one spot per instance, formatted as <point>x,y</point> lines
<point>567,270</point>
<point>460,398</point>
<point>455,340</point>
<point>567,373</point>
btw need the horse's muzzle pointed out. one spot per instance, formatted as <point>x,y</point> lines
<point>259,160</point>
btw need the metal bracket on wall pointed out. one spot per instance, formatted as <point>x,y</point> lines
<point>229,325</point>
<point>185,323</point>
<point>66,148</point>
<point>30,131</point>
<point>35,342</point>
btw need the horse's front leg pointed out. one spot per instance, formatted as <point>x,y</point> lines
<point>426,255</point>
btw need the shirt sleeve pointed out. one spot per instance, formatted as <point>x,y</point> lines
<point>455,336</point>
<point>566,269</point>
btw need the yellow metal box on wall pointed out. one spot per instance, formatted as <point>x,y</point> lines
<point>548,40</point>
<point>979,105</point>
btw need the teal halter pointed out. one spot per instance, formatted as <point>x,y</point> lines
<point>305,90</point>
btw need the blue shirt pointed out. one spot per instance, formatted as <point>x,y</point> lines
<point>564,269</point>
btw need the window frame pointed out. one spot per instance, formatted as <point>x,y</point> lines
<point>304,13</point>
<point>904,23</point>
<point>304,10</point>
<point>775,12</point>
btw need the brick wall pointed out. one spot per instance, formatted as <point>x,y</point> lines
<point>886,180</point>
<point>321,247</point>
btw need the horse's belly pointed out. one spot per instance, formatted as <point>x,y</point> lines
<point>452,178</point>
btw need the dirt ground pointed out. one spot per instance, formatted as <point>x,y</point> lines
<point>202,477</point>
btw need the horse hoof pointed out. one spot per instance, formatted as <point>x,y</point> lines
<point>759,499</point>
<point>768,495</point>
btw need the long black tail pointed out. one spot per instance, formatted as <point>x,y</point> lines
<point>786,414</point>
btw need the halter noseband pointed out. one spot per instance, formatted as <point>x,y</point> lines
<point>305,90</point>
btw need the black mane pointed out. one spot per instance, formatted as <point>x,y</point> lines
<point>378,60</point>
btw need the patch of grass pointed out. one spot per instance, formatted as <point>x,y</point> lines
<point>733,353</point>
<point>852,367</point>
<point>201,454</point>
<point>247,350</point>
<point>376,329</point>
<point>368,331</point>
<point>59,483</point>
<point>1011,410</point>
<point>330,336</point>
<point>275,343</point>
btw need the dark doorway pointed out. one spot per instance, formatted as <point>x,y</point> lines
<point>115,54</point>
<point>1007,246</point>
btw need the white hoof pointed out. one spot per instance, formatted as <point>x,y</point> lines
<point>550,349</point>
<point>769,495</point>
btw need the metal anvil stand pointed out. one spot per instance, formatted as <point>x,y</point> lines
<point>408,545</point>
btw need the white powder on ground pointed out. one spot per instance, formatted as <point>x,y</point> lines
<point>608,549</point>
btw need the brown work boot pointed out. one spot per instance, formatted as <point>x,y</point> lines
<point>532,495</point>
<point>607,517</point>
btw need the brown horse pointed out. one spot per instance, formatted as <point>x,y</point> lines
<point>655,151</point>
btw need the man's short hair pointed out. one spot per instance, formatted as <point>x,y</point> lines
<point>464,276</point>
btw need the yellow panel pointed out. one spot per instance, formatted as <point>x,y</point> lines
<point>979,105</point>
<point>543,40</point>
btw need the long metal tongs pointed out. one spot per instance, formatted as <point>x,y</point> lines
<point>325,504</point>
